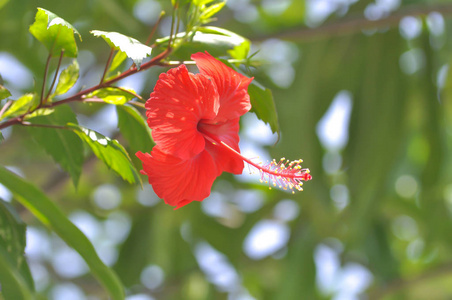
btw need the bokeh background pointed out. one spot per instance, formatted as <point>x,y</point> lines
<point>362,91</point>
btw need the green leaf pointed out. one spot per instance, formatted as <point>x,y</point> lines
<point>217,41</point>
<point>211,11</point>
<point>130,46</point>
<point>64,146</point>
<point>22,105</point>
<point>134,128</point>
<point>55,33</point>
<point>263,105</point>
<point>201,3</point>
<point>68,78</point>
<point>52,216</point>
<point>110,152</point>
<point>119,58</point>
<point>113,95</point>
<point>4,93</point>
<point>1,137</point>
<point>12,243</point>
<point>13,284</point>
<point>39,113</point>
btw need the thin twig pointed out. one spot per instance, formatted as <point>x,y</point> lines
<point>170,40</point>
<point>46,70</point>
<point>54,77</point>
<point>130,92</point>
<point>154,28</point>
<point>112,51</point>
<point>137,104</point>
<point>5,107</point>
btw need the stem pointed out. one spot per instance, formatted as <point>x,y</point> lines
<point>46,70</point>
<point>170,40</point>
<point>354,24</point>
<point>154,28</point>
<point>130,92</point>
<point>112,51</point>
<point>54,77</point>
<point>5,107</point>
<point>137,104</point>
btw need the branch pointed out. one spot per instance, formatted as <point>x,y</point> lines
<point>355,24</point>
<point>401,284</point>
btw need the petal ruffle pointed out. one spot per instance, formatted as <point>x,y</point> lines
<point>231,85</point>
<point>177,181</point>
<point>228,133</point>
<point>179,101</point>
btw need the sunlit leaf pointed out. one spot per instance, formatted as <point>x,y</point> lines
<point>55,33</point>
<point>64,146</point>
<point>39,113</point>
<point>4,93</point>
<point>132,47</point>
<point>210,11</point>
<point>217,41</point>
<point>22,105</point>
<point>200,3</point>
<point>68,78</point>
<point>263,106</point>
<point>110,152</point>
<point>113,95</point>
<point>134,128</point>
<point>52,216</point>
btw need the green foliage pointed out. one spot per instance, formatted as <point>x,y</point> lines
<point>134,129</point>
<point>216,41</point>
<point>22,105</point>
<point>130,46</point>
<point>263,105</point>
<point>109,151</point>
<point>4,93</point>
<point>55,33</point>
<point>67,79</point>
<point>63,145</point>
<point>113,95</point>
<point>52,217</point>
<point>118,59</point>
<point>14,274</point>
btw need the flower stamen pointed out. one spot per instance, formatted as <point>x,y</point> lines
<point>285,174</point>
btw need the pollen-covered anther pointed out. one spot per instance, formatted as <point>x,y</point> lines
<point>284,174</point>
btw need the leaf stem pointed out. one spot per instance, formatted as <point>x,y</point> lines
<point>54,77</point>
<point>46,70</point>
<point>130,92</point>
<point>112,51</point>
<point>154,28</point>
<point>5,107</point>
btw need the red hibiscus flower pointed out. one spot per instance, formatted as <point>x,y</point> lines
<point>195,123</point>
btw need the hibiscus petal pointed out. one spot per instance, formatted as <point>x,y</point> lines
<point>227,132</point>
<point>231,85</point>
<point>179,101</point>
<point>177,181</point>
